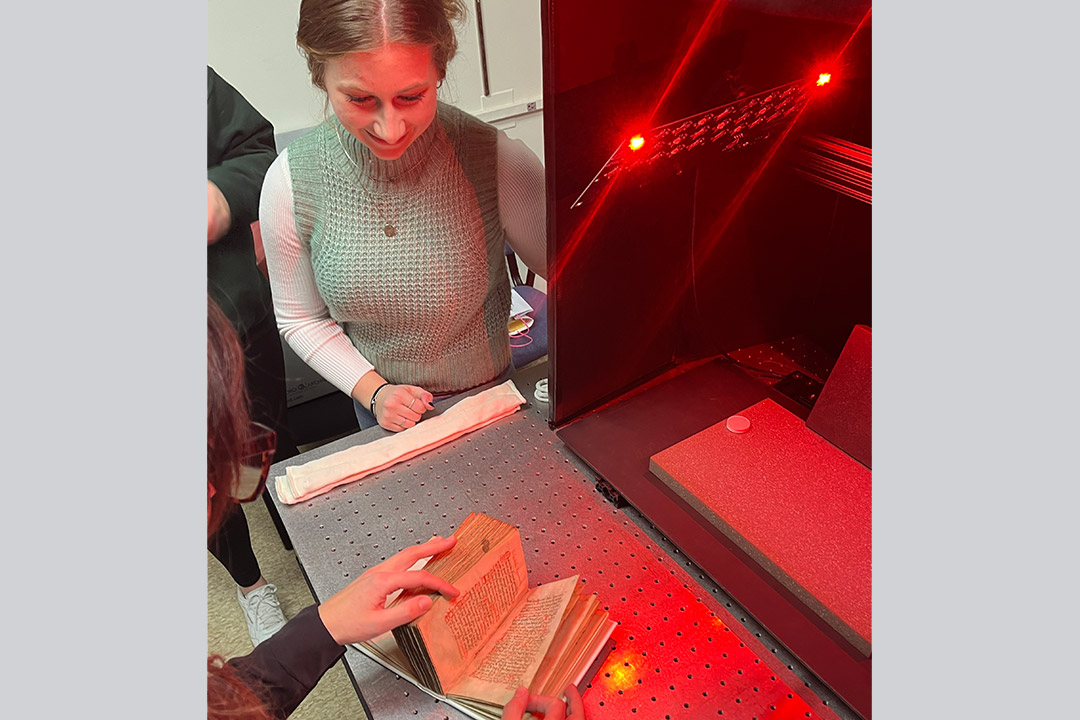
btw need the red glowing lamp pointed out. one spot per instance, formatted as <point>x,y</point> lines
<point>636,142</point>
<point>823,79</point>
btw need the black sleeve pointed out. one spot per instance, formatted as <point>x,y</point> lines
<point>239,148</point>
<point>283,669</point>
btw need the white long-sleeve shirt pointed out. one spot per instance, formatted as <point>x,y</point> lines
<point>302,315</point>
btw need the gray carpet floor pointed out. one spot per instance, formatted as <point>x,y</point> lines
<point>334,696</point>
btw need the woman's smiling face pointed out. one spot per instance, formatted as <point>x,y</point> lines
<point>386,98</point>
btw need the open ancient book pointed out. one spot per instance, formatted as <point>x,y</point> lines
<point>498,634</point>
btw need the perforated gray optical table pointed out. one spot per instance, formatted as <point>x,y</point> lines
<point>682,649</point>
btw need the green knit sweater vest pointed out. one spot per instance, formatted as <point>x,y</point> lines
<point>408,254</point>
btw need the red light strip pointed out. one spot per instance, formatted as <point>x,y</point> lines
<point>838,165</point>
<point>739,123</point>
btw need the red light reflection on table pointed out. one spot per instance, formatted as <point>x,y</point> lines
<point>620,672</point>
<point>674,658</point>
<point>636,142</point>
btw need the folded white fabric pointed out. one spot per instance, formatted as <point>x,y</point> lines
<point>318,476</point>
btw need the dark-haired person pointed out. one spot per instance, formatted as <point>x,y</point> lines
<point>239,149</point>
<point>274,678</point>
<point>385,226</point>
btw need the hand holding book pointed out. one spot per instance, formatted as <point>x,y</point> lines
<point>552,708</point>
<point>359,613</point>
<point>474,650</point>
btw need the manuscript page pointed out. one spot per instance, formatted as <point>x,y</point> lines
<point>514,652</point>
<point>454,630</point>
<point>579,655</point>
<point>578,611</point>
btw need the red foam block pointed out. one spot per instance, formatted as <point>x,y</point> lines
<point>792,501</point>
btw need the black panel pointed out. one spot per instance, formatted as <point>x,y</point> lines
<point>711,249</point>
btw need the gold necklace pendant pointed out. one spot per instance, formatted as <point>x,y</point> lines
<point>389,228</point>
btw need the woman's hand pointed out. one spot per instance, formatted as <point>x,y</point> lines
<point>398,407</point>
<point>359,612</point>
<point>552,708</point>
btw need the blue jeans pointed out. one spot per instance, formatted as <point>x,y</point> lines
<point>367,420</point>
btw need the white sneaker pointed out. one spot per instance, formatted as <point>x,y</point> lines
<point>262,611</point>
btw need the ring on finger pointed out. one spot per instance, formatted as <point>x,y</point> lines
<point>411,403</point>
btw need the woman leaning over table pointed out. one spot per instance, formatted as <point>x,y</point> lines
<point>384,227</point>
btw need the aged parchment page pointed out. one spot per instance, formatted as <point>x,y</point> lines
<point>511,657</point>
<point>454,630</point>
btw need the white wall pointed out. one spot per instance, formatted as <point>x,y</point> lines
<point>252,44</point>
<point>515,77</point>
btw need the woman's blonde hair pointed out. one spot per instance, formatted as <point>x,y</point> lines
<point>329,29</point>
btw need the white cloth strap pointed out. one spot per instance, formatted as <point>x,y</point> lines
<point>305,481</point>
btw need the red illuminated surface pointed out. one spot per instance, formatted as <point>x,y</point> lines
<point>636,142</point>
<point>824,78</point>
<point>676,652</point>
<point>790,499</point>
<point>672,639</point>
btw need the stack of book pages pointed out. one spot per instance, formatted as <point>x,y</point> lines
<point>475,650</point>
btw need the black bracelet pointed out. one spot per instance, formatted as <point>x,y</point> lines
<point>371,406</point>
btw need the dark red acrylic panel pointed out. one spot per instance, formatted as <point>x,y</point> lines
<point>843,413</point>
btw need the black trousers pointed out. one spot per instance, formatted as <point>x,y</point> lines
<point>264,370</point>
